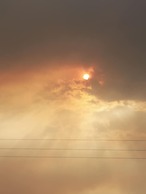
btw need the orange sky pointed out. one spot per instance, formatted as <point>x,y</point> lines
<point>58,103</point>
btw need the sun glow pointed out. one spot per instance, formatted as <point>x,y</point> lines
<point>86,76</point>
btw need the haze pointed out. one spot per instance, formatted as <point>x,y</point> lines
<point>45,49</point>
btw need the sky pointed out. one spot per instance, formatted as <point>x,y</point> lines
<point>45,49</point>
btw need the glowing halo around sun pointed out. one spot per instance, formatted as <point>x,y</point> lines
<point>86,76</point>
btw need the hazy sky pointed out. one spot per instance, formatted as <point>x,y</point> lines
<point>45,48</point>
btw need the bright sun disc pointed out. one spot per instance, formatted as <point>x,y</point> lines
<point>86,76</point>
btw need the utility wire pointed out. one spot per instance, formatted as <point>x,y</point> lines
<point>77,149</point>
<point>76,139</point>
<point>75,157</point>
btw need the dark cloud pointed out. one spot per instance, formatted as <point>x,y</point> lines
<point>108,34</point>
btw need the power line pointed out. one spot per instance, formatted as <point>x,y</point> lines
<point>76,139</point>
<point>75,157</point>
<point>77,149</point>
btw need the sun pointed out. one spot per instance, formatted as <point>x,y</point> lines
<point>86,76</point>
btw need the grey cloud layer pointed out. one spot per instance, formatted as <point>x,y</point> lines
<point>107,34</point>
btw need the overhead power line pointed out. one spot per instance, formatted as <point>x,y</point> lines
<point>76,139</point>
<point>76,149</point>
<point>75,157</point>
<point>73,149</point>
